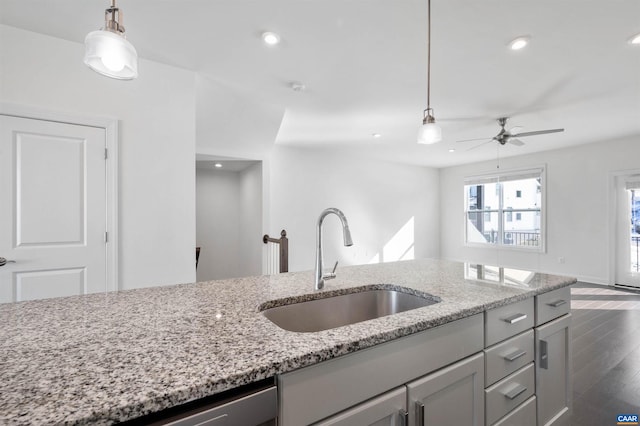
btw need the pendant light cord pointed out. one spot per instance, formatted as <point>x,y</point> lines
<point>428,55</point>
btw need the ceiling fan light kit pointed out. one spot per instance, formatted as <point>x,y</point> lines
<point>429,132</point>
<point>635,39</point>
<point>108,52</point>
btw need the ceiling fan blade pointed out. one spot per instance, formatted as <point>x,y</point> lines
<point>516,142</point>
<point>490,138</point>
<point>478,146</point>
<point>537,132</point>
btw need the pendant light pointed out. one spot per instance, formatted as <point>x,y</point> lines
<point>108,52</point>
<point>429,132</point>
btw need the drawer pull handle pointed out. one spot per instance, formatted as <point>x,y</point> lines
<point>515,355</point>
<point>557,303</point>
<point>513,393</point>
<point>515,318</point>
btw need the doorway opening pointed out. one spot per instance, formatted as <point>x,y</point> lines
<point>627,235</point>
<point>228,217</point>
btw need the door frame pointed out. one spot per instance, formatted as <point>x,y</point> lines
<point>110,126</point>
<point>613,236</point>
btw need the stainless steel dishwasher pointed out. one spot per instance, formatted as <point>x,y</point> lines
<point>248,406</point>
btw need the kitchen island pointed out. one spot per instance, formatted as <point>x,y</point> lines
<point>106,358</point>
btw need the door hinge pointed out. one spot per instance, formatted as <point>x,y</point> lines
<point>106,237</point>
<point>106,153</point>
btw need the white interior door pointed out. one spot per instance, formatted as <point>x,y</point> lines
<point>627,259</point>
<point>52,209</point>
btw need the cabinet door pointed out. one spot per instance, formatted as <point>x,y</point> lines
<point>553,370</point>
<point>388,409</point>
<point>451,396</point>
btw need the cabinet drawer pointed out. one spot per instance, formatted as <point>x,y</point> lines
<point>524,415</point>
<point>508,393</point>
<point>553,305</point>
<point>506,321</point>
<point>506,357</point>
<point>257,408</point>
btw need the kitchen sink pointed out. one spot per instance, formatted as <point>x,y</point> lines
<point>344,309</point>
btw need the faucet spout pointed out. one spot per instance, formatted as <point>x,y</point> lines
<point>320,276</point>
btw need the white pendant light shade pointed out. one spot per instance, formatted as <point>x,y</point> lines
<point>429,133</point>
<point>111,54</point>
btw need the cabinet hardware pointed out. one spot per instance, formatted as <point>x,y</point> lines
<point>544,354</point>
<point>404,415</point>
<point>515,355</point>
<point>513,393</point>
<point>515,318</point>
<point>557,303</point>
<point>420,413</point>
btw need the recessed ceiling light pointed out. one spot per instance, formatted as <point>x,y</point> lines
<point>297,86</point>
<point>376,135</point>
<point>635,39</point>
<point>271,38</point>
<point>519,43</point>
<point>452,150</point>
<point>217,165</point>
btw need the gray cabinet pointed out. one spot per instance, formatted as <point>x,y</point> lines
<point>320,391</point>
<point>451,396</point>
<point>442,376</point>
<point>389,409</point>
<point>553,370</point>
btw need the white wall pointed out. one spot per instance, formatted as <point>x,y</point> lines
<point>391,208</point>
<point>578,211</point>
<point>217,224</point>
<point>251,221</point>
<point>234,123</point>
<point>156,150</point>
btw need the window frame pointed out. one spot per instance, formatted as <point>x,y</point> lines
<point>502,176</point>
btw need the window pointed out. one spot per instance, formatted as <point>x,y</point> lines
<point>495,226</point>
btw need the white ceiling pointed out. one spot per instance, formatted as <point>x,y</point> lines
<point>208,162</point>
<point>364,65</point>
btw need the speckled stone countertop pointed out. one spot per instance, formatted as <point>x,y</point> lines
<point>105,358</point>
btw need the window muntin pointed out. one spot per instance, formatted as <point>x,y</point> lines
<point>515,220</point>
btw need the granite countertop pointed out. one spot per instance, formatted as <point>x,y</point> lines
<point>106,358</point>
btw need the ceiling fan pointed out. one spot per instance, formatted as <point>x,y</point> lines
<point>510,136</point>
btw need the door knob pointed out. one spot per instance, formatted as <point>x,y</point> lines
<point>4,261</point>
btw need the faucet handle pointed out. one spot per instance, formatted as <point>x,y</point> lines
<point>331,275</point>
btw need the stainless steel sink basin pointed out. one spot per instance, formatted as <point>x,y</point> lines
<point>344,309</point>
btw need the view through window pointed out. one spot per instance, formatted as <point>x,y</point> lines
<point>505,209</point>
<point>634,198</point>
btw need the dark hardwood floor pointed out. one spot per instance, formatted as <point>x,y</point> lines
<point>606,354</point>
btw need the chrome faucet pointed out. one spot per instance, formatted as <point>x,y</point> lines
<point>319,275</point>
